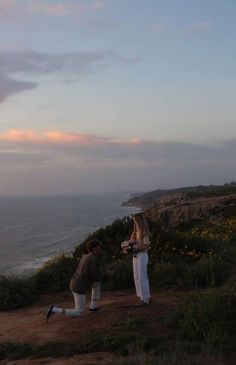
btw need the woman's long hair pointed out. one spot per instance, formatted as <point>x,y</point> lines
<point>141,224</point>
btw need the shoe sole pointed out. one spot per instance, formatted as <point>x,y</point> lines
<point>49,312</point>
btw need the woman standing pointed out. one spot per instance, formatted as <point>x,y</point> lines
<point>141,236</point>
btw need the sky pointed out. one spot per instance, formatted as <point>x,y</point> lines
<point>116,95</point>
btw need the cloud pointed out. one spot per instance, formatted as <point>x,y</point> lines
<point>18,158</point>
<point>99,148</point>
<point>82,163</point>
<point>7,4</point>
<point>50,8</point>
<point>39,63</point>
<point>158,28</point>
<point>49,137</point>
<point>16,65</point>
<point>98,5</point>
<point>12,10</point>
<point>200,27</point>
<point>10,86</point>
<point>194,29</point>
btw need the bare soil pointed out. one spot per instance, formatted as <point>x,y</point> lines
<point>29,325</point>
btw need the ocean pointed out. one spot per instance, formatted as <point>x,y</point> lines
<point>33,229</point>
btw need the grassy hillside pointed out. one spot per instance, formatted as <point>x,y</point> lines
<point>198,256</point>
<point>145,201</point>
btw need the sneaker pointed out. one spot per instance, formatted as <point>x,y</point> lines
<point>49,312</point>
<point>141,304</point>
<point>96,309</point>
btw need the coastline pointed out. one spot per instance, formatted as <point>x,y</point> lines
<point>45,232</point>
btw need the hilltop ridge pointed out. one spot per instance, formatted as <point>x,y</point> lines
<point>147,200</point>
<point>177,209</point>
<point>177,206</point>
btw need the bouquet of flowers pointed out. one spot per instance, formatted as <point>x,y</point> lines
<point>129,247</point>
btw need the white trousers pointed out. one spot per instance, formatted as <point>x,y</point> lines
<point>141,280</point>
<point>96,290</point>
<point>80,300</point>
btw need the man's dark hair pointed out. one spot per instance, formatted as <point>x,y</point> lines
<point>92,244</point>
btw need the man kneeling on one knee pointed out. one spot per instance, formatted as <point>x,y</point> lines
<point>87,276</point>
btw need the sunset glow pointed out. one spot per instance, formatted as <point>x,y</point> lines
<point>133,95</point>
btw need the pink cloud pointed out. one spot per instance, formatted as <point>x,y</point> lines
<point>6,4</point>
<point>48,9</point>
<point>57,137</point>
<point>135,141</point>
<point>57,152</point>
<point>54,137</point>
<point>98,5</point>
<point>9,8</point>
<point>59,9</point>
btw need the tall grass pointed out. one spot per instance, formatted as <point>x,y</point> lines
<point>209,317</point>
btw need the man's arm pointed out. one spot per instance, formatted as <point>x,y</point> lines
<point>95,270</point>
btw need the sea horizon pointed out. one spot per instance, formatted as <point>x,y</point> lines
<point>128,193</point>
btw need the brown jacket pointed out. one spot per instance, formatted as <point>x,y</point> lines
<point>86,274</point>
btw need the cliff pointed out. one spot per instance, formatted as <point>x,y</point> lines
<point>147,200</point>
<point>178,208</point>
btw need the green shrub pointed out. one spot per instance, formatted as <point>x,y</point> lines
<point>111,236</point>
<point>118,275</point>
<point>16,292</point>
<point>163,274</point>
<point>55,274</point>
<point>209,317</point>
<point>210,271</point>
<point>16,351</point>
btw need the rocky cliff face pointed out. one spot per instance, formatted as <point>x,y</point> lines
<point>177,208</point>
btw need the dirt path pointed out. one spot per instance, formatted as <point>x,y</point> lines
<point>28,325</point>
